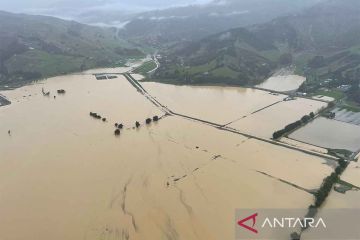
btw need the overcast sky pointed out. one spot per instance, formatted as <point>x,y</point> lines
<point>137,5</point>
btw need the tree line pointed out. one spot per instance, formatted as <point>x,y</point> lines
<point>322,194</point>
<point>328,183</point>
<point>292,126</point>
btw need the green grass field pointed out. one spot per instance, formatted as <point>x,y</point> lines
<point>350,106</point>
<point>200,69</point>
<point>145,68</point>
<point>334,93</point>
<point>44,63</point>
<point>224,72</point>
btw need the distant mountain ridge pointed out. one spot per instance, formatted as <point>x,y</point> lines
<point>32,47</point>
<point>198,21</point>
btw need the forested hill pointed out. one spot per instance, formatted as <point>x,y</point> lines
<point>322,40</point>
<point>32,47</point>
<point>194,22</point>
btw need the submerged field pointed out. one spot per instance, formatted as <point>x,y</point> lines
<point>254,112</point>
<point>344,115</point>
<point>352,174</point>
<point>216,104</point>
<point>331,134</point>
<point>64,175</point>
<point>283,83</point>
<point>264,123</point>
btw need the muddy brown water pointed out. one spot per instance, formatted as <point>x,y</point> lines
<point>283,83</point>
<point>276,117</point>
<point>206,102</point>
<point>64,175</point>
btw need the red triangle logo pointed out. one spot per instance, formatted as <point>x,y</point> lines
<point>241,223</point>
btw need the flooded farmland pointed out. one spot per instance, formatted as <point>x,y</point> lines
<point>344,115</point>
<point>352,174</point>
<point>205,102</point>
<point>138,77</point>
<point>283,81</point>
<point>340,203</point>
<point>250,153</point>
<point>264,123</point>
<point>331,134</point>
<point>250,111</point>
<point>68,177</point>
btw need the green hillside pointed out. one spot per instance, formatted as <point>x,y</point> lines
<point>165,27</point>
<point>322,41</point>
<point>33,47</point>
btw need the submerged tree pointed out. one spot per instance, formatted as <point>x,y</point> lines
<point>137,124</point>
<point>306,119</point>
<point>295,236</point>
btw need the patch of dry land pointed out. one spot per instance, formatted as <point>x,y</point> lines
<point>64,175</point>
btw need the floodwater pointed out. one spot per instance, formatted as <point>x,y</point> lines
<point>352,174</point>
<point>260,156</point>
<point>303,145</point>
<point>339,202</point>
<point>138,77</point>
<point>206,102</point>
<point>329,133</point>
<point>344,115</point>
<point>129,66</point>
<point>64,175</point>
<point>283,83</point>
<point>265,122</point>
